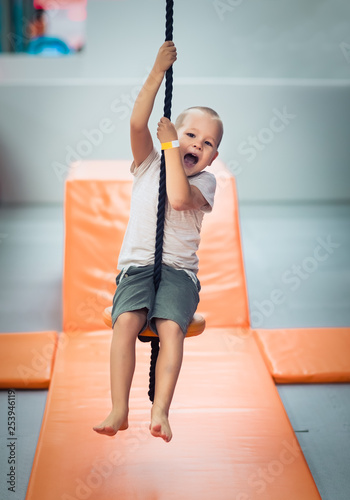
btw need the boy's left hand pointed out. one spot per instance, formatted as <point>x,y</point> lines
<point>166,130</point>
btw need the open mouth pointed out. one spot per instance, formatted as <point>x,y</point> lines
<point>190,160</point>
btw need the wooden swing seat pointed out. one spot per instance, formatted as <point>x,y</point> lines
<point>196,327</point>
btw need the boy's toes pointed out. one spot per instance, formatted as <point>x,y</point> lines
<point>108,430</point>
<point>110,426</point>
<point>156,431</point>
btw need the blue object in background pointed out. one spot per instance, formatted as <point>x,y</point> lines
<point>47,46</point>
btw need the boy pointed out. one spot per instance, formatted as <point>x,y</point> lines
<point>190,193</point>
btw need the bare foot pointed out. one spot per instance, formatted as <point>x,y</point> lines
<point>160,424</point>
<point>114,422</point>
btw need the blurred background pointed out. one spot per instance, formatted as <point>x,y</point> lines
<point>278,73</point>
<point>253,61</point>
<point>42,27</point>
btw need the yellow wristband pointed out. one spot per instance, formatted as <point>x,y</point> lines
<point>170,145</point>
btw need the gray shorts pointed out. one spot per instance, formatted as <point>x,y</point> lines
<point>177,297</point>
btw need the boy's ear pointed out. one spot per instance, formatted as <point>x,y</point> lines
<point>215,156</point>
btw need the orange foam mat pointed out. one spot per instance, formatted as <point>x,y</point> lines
<point>306,354</point>
<point>26,359</point>
<point>97,204</point>
<point>232,439</point>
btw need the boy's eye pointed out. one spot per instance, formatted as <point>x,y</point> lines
<point>190,134</point>
<point>208,143</point>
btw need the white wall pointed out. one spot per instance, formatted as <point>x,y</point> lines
<point>250,60</point>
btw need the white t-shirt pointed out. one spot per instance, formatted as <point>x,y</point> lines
<point>181,229</point>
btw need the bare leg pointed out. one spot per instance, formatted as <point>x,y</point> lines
<point>167,371</point>
<point>122,367</point>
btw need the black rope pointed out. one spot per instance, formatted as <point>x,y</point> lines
<point>157,273</point>
<point>162,177</point>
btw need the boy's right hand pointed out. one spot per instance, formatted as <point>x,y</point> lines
<point>140,136</point>
<point>166,57</point>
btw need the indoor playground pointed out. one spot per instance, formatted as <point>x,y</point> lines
<point>261,409</point>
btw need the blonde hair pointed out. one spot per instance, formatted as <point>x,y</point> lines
<point>180,119</point>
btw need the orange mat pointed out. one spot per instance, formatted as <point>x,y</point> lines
<point>26,359</point>
<point>97,203</point>
<point>306,354</point>
<point>232,438</point>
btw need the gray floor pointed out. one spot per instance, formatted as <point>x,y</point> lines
<point>299,253</point>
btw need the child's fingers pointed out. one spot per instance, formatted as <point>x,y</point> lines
<point>166,56</point>
<point>170,48</point>
<point>165,130</point>
<point>164,123</point>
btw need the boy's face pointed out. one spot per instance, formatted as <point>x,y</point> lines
<point>198,138</point>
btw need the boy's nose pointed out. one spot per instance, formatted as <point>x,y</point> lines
<point>197,146</point>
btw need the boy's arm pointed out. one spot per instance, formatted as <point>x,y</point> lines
<point>181,195</point>
<point>140,136</point>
